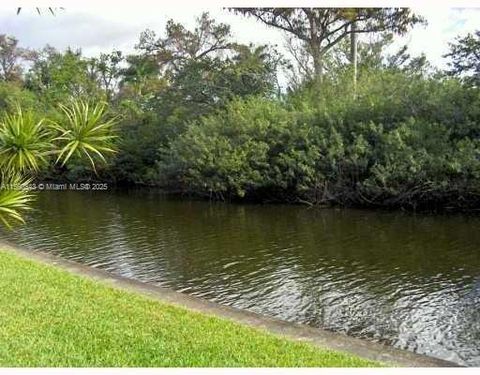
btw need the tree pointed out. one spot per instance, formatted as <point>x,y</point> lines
<point>106,70</point>
<point>141,78</point>
<point>465,58</point>
<point>203,67</point>
<point>372,55</point>
<point>181,45</point>
<point>57,76</point>
<point>253,70</point>
<point>11,56</point>
<point>320,29</point>
<point>179,76</point>
<point>354,52</point>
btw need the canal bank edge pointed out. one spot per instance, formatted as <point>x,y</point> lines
<point>293,331</point>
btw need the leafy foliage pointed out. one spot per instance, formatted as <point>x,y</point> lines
<point>177,78</point>
<point>403,141</point>
<point>106,70</point>
<point>57,76</point>
<point>11,57</point>
<point>181,45</point>
<point>315,31</point>
<point>25,142</point>
<point>14,198</point>
<point>85,132</point>
<point>465,58</point>
<point>191,110</point>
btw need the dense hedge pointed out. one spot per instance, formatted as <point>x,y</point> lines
<point>401,140</point>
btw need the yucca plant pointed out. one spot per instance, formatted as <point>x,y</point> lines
<point>25,143</point>
<point>15,198</point>
<point>26,146</point>
<point>85,132</point>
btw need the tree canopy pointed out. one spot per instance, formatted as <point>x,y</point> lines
<point>320,29</point>
<point>464,58</point>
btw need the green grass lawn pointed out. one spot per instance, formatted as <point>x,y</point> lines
<point>49,317</point>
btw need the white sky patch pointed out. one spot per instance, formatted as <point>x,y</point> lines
<point>444,25</point>
<point>101,29</point>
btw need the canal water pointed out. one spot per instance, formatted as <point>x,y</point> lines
<point>408,280</point>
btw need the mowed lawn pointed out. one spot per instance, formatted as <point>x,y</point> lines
<point>49,317</point>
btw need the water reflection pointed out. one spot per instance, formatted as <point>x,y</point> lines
<point>408,280</point>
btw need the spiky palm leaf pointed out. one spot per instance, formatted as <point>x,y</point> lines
<point>86,132</point>
<point>25,145</point>
<point>24,142</point>
<point>15,198</point>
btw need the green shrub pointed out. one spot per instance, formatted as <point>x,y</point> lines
<point>401,141</point>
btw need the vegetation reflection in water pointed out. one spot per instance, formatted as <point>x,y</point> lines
<point>412,281</point>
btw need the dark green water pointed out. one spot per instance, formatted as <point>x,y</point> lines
<point>412,281</point>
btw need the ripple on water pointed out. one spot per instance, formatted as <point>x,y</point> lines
<point>411,281</point>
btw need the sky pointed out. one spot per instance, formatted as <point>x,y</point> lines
<point>95,29</point>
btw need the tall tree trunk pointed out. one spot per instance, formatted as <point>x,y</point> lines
<point>315,48</point>
<point>354,55</point>
<point>318,65</point>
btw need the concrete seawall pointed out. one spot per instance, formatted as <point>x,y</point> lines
<point>299,332</point>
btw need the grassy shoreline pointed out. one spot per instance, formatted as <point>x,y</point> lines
<point>49,317</point>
